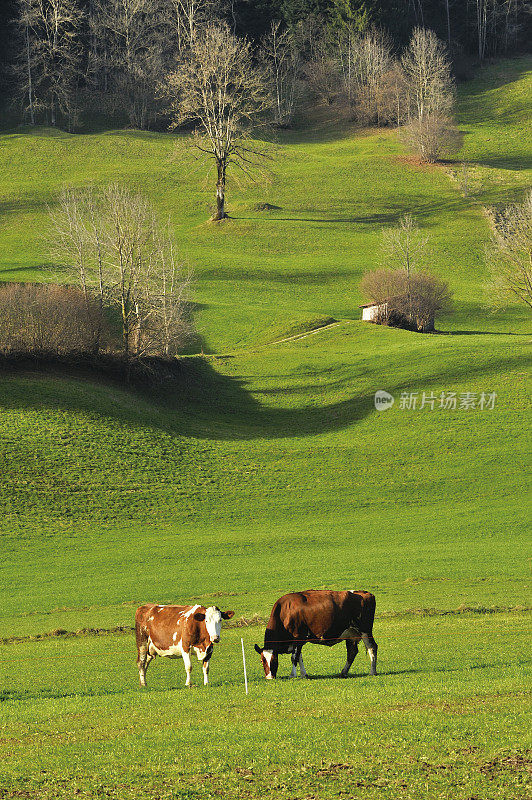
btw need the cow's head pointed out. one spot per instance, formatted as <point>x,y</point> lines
<point>213,621</point>
<point>270,661</point>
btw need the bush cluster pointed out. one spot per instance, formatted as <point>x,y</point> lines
<point>407,301</point>
<point>47,318</point>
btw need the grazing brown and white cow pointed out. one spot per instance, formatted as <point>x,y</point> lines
<point>176,631</point>
<point>319,617</point>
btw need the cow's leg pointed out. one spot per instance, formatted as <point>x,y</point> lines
<point>205,667</point>
<point>302,669</point>
<point>145,657</point>
<point>352,650</point>
<point>187,661</point>
<point>295,661</point>
<point>142,662</point>
<point>142,653</point>
<point>205,658</point>
<point>371,647</point>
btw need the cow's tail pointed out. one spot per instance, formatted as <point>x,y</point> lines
<point>369,613</point>
<point>140,631</point>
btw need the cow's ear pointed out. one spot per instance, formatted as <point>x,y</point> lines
<point>199,617</point>
<point>258,649</point>
<point>227,614</point>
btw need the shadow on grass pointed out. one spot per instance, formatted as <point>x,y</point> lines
<point>12,695</point>
<point>516,163</point>
<point>207,404</point>
<point>427,207</point>
<point>277,276</point>
<point>474,333</point>
<point>29,203</point>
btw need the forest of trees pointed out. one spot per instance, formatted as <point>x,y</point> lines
<point>64,60</point>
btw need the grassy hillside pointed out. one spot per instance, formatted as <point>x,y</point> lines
<point>336,189</point>
<point>269,469</point>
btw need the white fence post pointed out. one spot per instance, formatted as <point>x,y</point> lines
<point>244,662</point>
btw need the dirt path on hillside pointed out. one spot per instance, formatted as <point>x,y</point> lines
<point>268,345</point>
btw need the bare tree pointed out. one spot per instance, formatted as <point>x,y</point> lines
<point>130,42</point>
<point>428,74</point>
<point>392,97</point>
<point>322,70</point>
<point>405,249</point>
<point>405,246</point>
<point>26,62</point>
<point>163,303</point>
<point>482,26</point>
<point>433,136</point>
<point>112,241</point>
<point>431,131</point>
<point>365,61</point>
<point>281,60</point>
<point>510,256</point>
<point>188,16</point>
<point>218,87</point>
<point>406,301</point>
<point>49,58</point>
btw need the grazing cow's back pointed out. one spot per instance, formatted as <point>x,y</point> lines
<point>176,631</point>
<point>319,617</point>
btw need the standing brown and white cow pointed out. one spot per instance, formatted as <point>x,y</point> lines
<point>176,631</point>
<point>319,617</point>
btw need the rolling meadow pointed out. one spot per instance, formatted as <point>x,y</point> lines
<point>269,470</point>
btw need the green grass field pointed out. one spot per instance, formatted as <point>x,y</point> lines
<point>270,470</point>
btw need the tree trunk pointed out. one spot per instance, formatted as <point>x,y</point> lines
<point>30,81</point>
<point>448,15</point>
<point>220,191</point>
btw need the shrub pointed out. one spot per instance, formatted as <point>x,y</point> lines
<point>408,301</point>
<point>39,318</point>
<point>111,241</point>
<point>433,136</point>
<point>510,254</point>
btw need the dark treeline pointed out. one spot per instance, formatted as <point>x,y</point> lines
<point>68,59</point>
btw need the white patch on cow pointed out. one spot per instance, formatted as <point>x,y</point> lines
<point>174,651</point>
<point>187,614</point>
<point>200,653</point>
<point>174,637</point>
<point>268,655</point>
<point>188,666</point>
<point>150,619</point>
<point>213,623</point>
<point>371,653</point>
